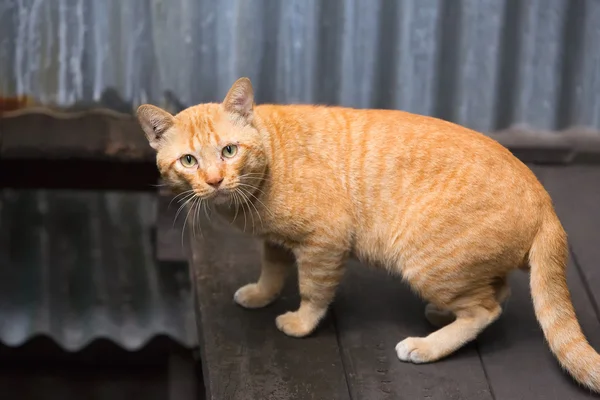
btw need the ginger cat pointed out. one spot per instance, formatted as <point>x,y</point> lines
<point>449,209</point>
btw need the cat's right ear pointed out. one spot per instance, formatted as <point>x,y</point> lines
<point>240,99</point>
<point>155,122</point>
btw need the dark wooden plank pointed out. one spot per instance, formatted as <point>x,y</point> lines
<point>244,356</point>
<point>576,194</point>
<point>92,134</point>
<point>517,360</point>
<point>373,312</point>
<point>572,146</point>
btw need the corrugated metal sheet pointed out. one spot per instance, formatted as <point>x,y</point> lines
<point>78,266</point>
<point>487,64</point>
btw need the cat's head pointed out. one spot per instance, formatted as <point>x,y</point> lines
<point>213,150</point>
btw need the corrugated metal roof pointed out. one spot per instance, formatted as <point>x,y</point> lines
<point>487,64</point>
<point>77,266</point>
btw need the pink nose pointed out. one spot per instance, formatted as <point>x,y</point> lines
<point>214,181</point>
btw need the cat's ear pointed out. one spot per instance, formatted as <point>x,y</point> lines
<point>155,122</point>
<point>240,99</point>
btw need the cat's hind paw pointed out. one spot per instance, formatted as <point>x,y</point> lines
<point>414,349</point>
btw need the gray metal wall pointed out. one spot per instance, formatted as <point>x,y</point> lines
<point>487,64</point>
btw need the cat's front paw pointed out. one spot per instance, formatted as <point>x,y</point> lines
<point>292,324</point>
<point>250,296</point>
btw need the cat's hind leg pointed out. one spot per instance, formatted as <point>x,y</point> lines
<point>502,291</point>
<point>276,264</point>
<point>440,317</point>
<point>470,321</point>
<point>437,316</point>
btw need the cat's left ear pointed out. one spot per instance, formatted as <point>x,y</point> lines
<point>240,99</point>
<point>155,122</point>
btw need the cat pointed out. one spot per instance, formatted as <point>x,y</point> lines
<point>449,209</point>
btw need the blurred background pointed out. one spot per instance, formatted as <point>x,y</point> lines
<point>95,295</point>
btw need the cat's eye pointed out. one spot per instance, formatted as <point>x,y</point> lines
<point>229,151</point>
<point>188,161</point>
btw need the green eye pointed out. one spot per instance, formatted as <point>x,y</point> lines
<point>229,151</point>
<point>188,161</point>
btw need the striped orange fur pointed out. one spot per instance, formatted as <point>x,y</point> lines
<point>449,209</point>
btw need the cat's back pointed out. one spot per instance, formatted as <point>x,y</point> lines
<point>322,122</point>
<point>366,132</point>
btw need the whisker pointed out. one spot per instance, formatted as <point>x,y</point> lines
<point>261,174</point>
<point>194,213</point>
<point>186,218</point>
<point>191,192</point>
<point>249,210</point>
<point>258,177</point>
<point>206,211</point>
<point>187,192</point>
<point>185,201</point>
<point>260,201</point>
<point>184,198</point>
<point>252,187</point>
<point>241,179</point>
<point>255,209</point>
<point>243,209</point>
<point>196,221</point>
<point>188,199</point>
<point>237,206</point>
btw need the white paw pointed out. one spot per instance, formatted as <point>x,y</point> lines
<point>250,296</point>
<point>413,349</point>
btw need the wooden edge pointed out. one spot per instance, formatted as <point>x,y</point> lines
<point>169,230</point>
<point>576,145</point>
<point>106,134</point>
<point>191,254</point>
<point>93,135</point>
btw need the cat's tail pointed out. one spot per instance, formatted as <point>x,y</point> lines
<point>553,307</point>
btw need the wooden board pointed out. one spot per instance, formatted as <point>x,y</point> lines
<point>244,356</point>
<point>374,311</point>
<point>92,134</point>
<point>576,194</point>
<point>517,360</point>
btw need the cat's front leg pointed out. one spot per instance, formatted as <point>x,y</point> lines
<point>276,264</point>
<point>319,273</point>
